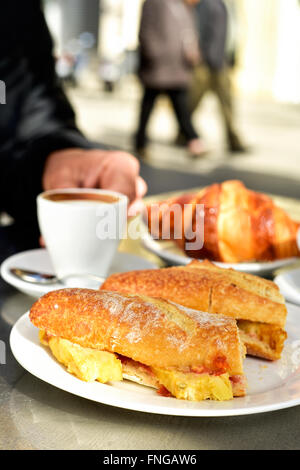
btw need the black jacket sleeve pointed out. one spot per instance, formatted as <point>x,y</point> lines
<point>37,118</point>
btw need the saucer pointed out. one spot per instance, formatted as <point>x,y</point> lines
<point>39,260</point>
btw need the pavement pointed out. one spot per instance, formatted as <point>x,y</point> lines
<point>270,129</point>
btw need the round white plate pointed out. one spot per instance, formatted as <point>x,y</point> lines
<point>39,260</point>
<point>166,250</point>
<point>271,385</point>
<point>289,285</point>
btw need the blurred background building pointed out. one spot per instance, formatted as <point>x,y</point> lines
<point>267,33</point>
<point>96,47</point>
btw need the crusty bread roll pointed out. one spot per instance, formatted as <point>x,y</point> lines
<point>205,286</point>
<point>153,333</point>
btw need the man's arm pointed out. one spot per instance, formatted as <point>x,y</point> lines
<point>37,118</point>
<point>43,146</point>
<point>46,87</point>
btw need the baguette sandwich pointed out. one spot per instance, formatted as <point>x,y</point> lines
<point>108,336</point>
<point>255,303</point>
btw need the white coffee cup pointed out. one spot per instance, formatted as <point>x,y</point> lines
<point>82,229</point>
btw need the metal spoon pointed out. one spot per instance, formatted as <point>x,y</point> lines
<point>35,277</point>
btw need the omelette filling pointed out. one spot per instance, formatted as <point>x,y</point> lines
<point>195,387</point>
<point>86,363</point>
<point>89,365</point>
<point>262,339</point>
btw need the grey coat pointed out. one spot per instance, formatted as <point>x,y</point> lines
<point>168,37</point>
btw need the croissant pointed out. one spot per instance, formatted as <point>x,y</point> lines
<point>239,224</point>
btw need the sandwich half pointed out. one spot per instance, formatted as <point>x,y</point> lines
<point>108,336</point>
<point>255,303</point>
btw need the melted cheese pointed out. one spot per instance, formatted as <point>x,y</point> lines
<point>195,387</point>
<point>86,363</point>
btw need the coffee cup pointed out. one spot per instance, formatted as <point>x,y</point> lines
<point>82,229</point>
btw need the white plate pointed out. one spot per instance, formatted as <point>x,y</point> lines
<point>39,260</point>
<point>289,285</point>
<point>167,251</point>
<point>271,385</point>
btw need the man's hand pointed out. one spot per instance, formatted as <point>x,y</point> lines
<point>105,169</point>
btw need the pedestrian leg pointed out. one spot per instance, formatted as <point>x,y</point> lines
<point>221,86</point>
<point>150,95</point>
<point>179,98</point>
<point>200,84</point>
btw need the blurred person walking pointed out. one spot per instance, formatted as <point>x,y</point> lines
<point>216,25</point>
<point>169,50</point>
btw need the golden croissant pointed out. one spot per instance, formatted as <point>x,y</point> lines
<point>239,224</point>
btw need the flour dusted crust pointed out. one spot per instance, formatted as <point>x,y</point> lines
<point>205,286</point>
<point>155,332</point>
